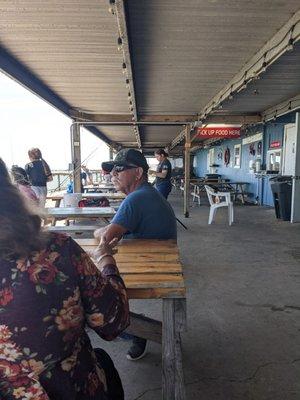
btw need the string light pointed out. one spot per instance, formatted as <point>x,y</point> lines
<point>127,83</point>
<point>111,8</point>
<point>264,64</point>
<point>290,45</point>
<point>120,42</point>
<point>124,68</point>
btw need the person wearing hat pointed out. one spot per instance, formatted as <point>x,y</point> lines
<point>143,214</point>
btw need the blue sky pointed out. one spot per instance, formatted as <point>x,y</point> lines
<point>27,121</point>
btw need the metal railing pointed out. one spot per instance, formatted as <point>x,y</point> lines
<point>61,178</point>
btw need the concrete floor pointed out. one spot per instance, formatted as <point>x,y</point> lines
<point>243,299</point>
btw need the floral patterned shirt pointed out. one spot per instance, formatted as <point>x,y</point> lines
<point>45,302</point>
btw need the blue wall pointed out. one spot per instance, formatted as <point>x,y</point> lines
<point>258,189</point>
<point>234,174</point>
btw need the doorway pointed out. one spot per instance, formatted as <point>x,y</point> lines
<point>289,150</point>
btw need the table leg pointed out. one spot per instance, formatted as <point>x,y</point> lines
<point>174,322</point>
<point>242,193</point>
<point>57,203</point>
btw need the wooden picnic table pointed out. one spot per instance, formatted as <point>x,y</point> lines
<point>236,188</point>
<point>57,197</point>
<point>68,213</point>
<point>151,269</point>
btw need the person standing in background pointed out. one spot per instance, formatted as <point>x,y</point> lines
<point>163,173</point>
<point>39,174</point>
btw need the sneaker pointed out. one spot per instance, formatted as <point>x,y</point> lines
<point>137,350</point>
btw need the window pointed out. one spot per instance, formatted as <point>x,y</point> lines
<point>237,156</point>
<point>274,160</point>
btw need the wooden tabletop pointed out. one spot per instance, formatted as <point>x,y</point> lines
<point>79,212</point>
<point>150,268</point>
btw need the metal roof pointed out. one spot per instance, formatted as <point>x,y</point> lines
<point>179,55</point>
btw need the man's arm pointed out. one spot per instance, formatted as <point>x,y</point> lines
<point>110,232</point>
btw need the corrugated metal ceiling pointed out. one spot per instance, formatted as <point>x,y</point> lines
<point>183,53</point>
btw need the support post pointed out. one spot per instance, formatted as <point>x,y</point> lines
<point>295,209</point>
<point>110,154</point>
<point>174,322</point>
<point>76,157</point>
<point>187,163</point>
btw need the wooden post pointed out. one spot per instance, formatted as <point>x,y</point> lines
<point>174,317</point>
<point>111,154</point>
<point>187,162</point>
<point>76,157</point>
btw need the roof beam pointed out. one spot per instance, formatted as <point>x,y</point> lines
<point>282,41</point>
<point>82,116</point>
<point>123,41</point>
<point>283,108</point>
<point>233,119</point>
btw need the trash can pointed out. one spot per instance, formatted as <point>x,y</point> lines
<point>281,187</point>
<point>72,199</point>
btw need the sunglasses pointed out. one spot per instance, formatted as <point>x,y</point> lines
<point>121,168</point>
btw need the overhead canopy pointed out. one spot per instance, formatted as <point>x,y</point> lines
<point>178,61</point>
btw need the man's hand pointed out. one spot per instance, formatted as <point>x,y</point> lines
<point>110,232</point>
<point>100,233</point>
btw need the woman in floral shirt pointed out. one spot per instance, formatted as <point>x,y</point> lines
<point>49,291</point>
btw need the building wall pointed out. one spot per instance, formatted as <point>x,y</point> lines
<point>258,188</point>
<point>229,172</point>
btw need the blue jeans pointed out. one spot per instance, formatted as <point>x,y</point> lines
<point>164,188</point>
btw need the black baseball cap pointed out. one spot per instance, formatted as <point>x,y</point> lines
<point>127,157</point>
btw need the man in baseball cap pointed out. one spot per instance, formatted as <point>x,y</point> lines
<point>144,214</point>
<point>127,158</point>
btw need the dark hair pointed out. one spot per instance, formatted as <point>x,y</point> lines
<point>19,175</point>
<point>20,227</point>
<point>35,153</point>
<point>161,152</point>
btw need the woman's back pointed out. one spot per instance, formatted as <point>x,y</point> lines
<point>45,301</point>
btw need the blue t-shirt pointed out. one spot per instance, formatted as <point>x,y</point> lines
<point>146,215</point>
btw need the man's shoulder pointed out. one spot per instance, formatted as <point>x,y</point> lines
<point>144,189</point>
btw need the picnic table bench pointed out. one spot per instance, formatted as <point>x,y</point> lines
<point>151,269</point>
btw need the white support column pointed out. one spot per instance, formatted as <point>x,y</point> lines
<point>76,157</point>
<point>295,210</point>
<point>187,162</point>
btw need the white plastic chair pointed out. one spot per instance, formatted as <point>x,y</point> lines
<point>196,194</point>
<point>216,201</point>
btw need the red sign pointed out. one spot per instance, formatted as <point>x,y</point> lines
<point>219,132</point>
<point>274,145</point>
